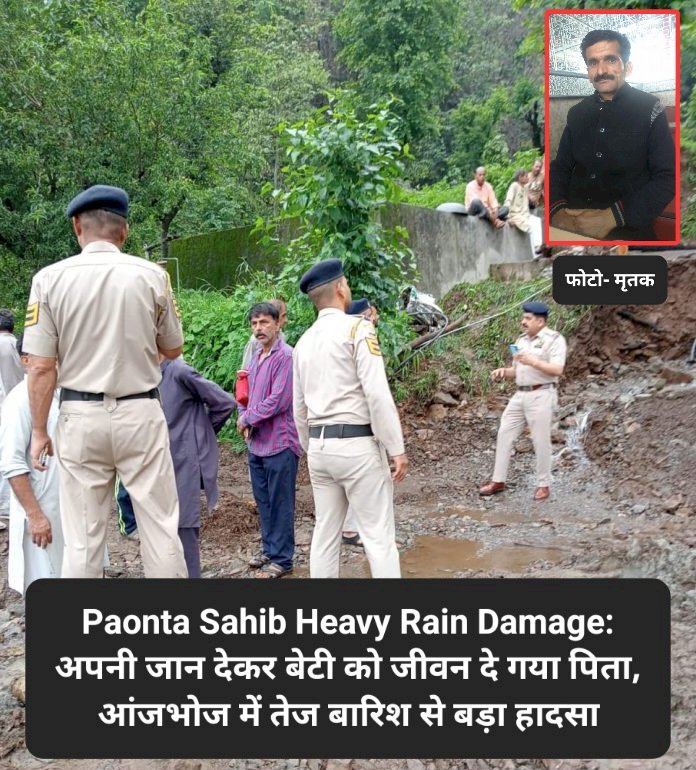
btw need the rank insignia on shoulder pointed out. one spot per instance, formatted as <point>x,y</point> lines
<point>32,316</point>
<point>171,294</point>
<point>373,344</point>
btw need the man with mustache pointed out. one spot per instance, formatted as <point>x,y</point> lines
<point>538,360</point>
<point>615,168</point>
<point>268,426</point>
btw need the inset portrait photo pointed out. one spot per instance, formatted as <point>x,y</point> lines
<point>612,132</point>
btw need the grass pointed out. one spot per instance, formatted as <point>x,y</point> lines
<point>433,195</point>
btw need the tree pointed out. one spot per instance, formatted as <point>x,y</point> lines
<point>342,167</point>
<point>157,97</point>
<point>400,48</point>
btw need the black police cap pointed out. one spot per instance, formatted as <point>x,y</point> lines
<point>321,273</point>
<point>99,196</point>
<point>538,308</point>
<point>358,306</point>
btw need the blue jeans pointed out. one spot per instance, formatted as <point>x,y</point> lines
<point>273,482</point>
<point>126,515</point>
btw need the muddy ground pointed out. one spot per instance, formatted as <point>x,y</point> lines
<point>622,505</point>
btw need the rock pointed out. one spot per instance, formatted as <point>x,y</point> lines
<point>672,503</point>
<point>595,364</point>
<point>523,445</point>
<point>557,436</point>
<point>425,434</point>
<point>679,443</point>
<point>303,537</point>
<point>436,412</point>
<point>338,764</point>
<point>18,688</point>
<point>632,427</point>
<point>673,376</point>
<point>639,508</point>
<point>453,385</point>
<point>414,764</point>
<point>566,411</point>
<point>444,398</point>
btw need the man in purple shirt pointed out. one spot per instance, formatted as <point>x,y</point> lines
<point>268,426</point>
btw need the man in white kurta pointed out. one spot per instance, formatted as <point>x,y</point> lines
<point>28,561</point>
<point>11,374</point>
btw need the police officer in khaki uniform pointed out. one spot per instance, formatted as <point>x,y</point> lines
<point>104,316</point>
<point>537,365</point>
<point>347,423</point>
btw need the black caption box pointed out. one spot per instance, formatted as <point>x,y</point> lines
<point>634,279</point>
<point>136,627</point>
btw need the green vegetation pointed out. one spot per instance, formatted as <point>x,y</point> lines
<point>178,102</point>
<point>174,100</point>
<point>342,166</point>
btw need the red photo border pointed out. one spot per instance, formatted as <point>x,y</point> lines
<point>547,124</point>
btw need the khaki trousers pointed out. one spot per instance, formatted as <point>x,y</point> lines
<point>535,408</point>
<point>352,471</point>
<point>95,440</point>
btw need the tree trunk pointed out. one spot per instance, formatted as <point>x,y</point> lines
<point>165,224</point>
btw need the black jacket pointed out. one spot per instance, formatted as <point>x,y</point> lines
<point>617,154</point>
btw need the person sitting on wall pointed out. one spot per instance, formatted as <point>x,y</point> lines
<point>480,200</point>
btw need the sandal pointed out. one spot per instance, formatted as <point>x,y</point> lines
<point>353,540</point>
<point>259,560</point>
<point>271,571</point>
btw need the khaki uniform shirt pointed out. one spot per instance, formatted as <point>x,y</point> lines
<point>549,346</point>
<point>103,315</point>
<point>339,378</point>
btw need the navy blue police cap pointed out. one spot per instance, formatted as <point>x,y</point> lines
<point>99,196</point>
<point>538,308</point>
<point>321,273</point>
<point>358,307</point>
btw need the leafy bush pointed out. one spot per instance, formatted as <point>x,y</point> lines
<point>342,166</point>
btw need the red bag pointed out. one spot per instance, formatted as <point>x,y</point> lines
<point>241,388</point>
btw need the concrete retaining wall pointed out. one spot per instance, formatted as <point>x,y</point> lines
<point>449,248</point>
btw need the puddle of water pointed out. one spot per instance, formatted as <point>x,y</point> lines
<point>437,557</point>
<point>492,517</point>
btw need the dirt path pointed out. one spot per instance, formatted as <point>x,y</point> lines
<point>622,505</point>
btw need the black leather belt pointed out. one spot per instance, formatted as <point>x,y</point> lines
<point>340,431</point>
<point>67,394</point>
<point>536,387</point>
